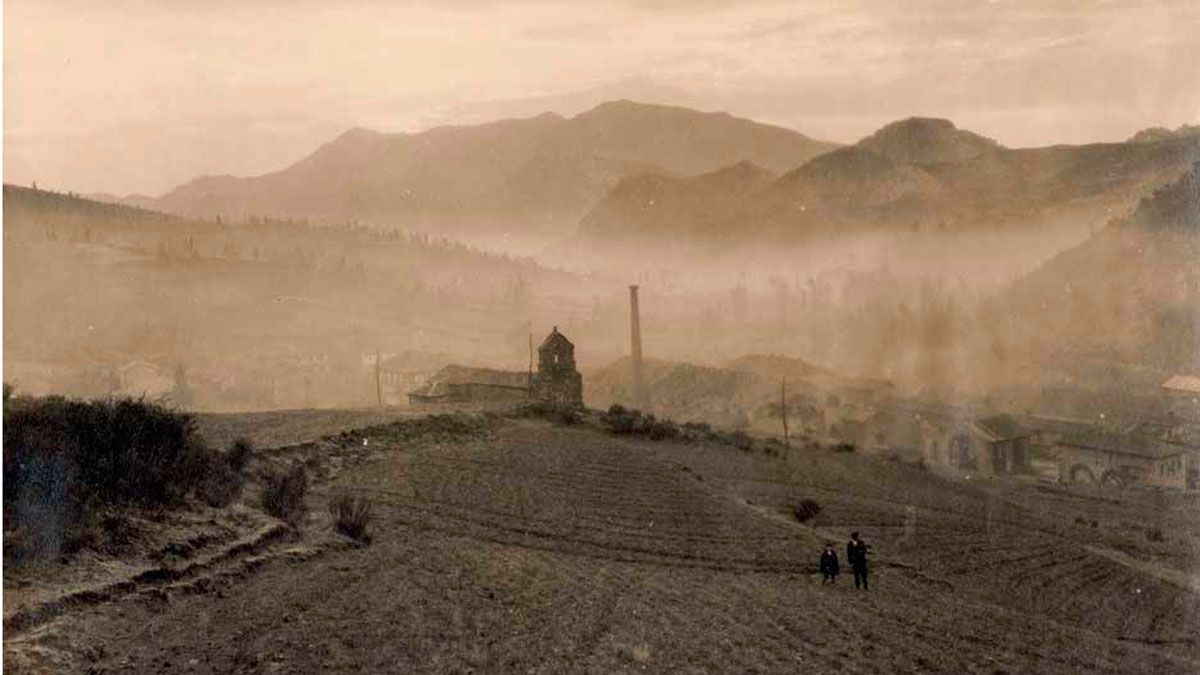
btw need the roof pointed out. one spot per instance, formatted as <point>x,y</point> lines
<point>456,374</point>
<point>1088,436</point>
<point>1186,434</point>
<point>1183,383</point>
<point>1002,427</point>
<point>554,338</point>
<point>941,416</point>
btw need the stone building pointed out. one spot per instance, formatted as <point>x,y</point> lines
<point>557,381</point>
<point>464,384</point>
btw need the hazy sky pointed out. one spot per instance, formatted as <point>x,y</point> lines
<point>127,96</point>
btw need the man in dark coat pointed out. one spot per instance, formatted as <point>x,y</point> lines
<point>829,564</point>
<point>856,555</point>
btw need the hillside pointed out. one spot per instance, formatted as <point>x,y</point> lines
<point>245,315</point>
<point>535,175</point>
<point>665,206</point>
<point>1130,292</point>
<point>915,175</point>
<point>741,393</point>
<point>1155,134</point>
<point>515,545</point>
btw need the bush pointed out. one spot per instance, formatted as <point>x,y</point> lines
<point>844,447</point>
<point>283,494</point>
<point>239,453</point>
<point>351,516</point>
<point>806,510</point>
<point>622,421</point>
<point>65,459</point>
<point>741,440</point>
<point>661,430</point>
<point>221,484</point>
<point>566,416</point>
<point>697,431</point>
<point>774,447</point>
<point>559,414</point>
<point>1155,534</point>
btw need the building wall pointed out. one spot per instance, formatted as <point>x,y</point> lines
<point>563,388</point>
<point>1075,464</point>
<point>1170,472</point>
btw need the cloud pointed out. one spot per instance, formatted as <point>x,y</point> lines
<point>833,69</point>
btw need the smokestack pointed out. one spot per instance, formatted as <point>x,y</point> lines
<point>642,397</point>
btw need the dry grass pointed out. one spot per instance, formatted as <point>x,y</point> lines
<point>284,492</point>
<point>351,515</point>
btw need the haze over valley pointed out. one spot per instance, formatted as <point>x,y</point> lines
<point>590,337</point>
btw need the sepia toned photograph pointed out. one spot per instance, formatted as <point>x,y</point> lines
<point>608,336</point>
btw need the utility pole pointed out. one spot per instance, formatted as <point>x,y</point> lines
<point>378,379</point>
<point>783,410</point>
<point>530,380</point>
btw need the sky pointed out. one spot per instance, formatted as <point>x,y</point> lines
<point>138,96</point>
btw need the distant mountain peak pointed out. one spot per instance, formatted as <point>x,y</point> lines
<point>624,107</point>
<point>744,170</point>
<point>927,140</point>
<point>1156,134</point>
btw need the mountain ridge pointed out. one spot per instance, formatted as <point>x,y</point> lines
<point>913,175</point>
<point>466,177</point>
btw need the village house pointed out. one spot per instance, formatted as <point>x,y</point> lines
<point>950,437</point>
<point>557,381</point>
<point>1182,394</point>
<point>1088,454</point>
<point>463,384</point>
<point>1006,445</point>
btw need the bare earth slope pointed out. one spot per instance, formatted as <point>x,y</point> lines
<point>563,549</point>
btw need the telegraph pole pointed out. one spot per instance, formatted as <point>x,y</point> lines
<point>378,380</point>
<point>783,410</point>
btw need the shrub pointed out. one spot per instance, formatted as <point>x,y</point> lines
<point>351,516</point>
<point>774,447</point>
<point>697,431</point>
<point>661,430</point>
<point>844,447</point>
<point>566,416</point>
<point>221,484</point>
<point>742,440</point>
<point>65,459</point>
<point>1155,534</point>
<point>806,510</point>
<point>283,494</point>
<point>622,421</point>
<point>239,453</point>
<point>559,414</point>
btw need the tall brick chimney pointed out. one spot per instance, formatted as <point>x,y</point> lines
<point>641,396</point>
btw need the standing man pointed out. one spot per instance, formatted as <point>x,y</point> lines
<point>856,555</point>
<point>829,564</point>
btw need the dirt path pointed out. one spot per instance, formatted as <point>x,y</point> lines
<point>552,549</point>
<point>1162,572</point>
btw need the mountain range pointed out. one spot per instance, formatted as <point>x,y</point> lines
<point>624,175</point>
<point>917,174</point>
<point>538,175</point>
